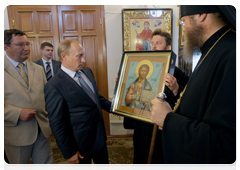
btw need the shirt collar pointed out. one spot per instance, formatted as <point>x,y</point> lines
<point>14,63</point>
<point>44,61</point>
<point>69,72</point>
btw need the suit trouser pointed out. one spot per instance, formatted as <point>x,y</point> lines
<point>40,152</point>
<point>99,157</point>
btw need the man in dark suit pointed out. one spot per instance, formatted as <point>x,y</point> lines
<point>50,66</point>
<point>74,110</point>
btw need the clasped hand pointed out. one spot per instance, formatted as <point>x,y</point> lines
<point>75,158</point>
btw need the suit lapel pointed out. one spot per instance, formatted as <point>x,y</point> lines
<point>31,71</point>
<point>72,83</point>
<point>13,71</point>
<point>41,63</point>
<point>54,67</point>
<point>91,79</point>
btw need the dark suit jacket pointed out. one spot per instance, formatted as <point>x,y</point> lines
<point>75,119</point>
<point>55,64</point>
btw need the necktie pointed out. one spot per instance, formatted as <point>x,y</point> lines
<point>23,73</point>
<point>48,71</point>
<point>85,87</point>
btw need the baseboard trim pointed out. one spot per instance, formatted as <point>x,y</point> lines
<point>111,136</point>
<point>119,136</point>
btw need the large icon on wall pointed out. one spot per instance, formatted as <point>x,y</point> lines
<point>138,24</point>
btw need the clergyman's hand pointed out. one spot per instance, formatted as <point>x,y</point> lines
<point>171,82</point>
<point>160,109</point>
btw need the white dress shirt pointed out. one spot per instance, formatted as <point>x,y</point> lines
<point>72,75</point>
<point>15,64</point>
<point>45,65</point>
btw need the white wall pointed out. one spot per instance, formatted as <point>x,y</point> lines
<point>6,23</point>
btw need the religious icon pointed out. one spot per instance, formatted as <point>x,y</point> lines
<point>144,38</point>
<point>141,78</point>
<point>139,89</point>
<point>138,25</point>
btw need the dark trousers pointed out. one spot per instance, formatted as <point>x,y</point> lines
<point>99,157</point>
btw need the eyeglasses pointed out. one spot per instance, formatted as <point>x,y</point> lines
<point>182,22</point>
<point>22,45</point>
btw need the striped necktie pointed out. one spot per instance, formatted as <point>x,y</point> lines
<point>23,73</point>
<point>85,87</point>
<point>48,71</point>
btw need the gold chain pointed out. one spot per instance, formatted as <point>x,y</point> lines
<point>181,94</point>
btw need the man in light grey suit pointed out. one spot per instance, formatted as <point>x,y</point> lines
<point>26,125</point>
<point>50,66</point>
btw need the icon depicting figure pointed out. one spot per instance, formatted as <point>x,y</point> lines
<point>144,38</point>
<point>133,97</point>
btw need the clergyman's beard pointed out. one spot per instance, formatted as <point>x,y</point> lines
<point>193,44</point>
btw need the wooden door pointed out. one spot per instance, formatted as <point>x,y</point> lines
<point>52,23</point>
<point>85,24</point>
<point>39,22</point>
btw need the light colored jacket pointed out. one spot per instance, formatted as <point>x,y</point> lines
<point>17,95</point>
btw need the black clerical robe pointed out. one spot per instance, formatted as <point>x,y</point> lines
<point>203,129</point>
